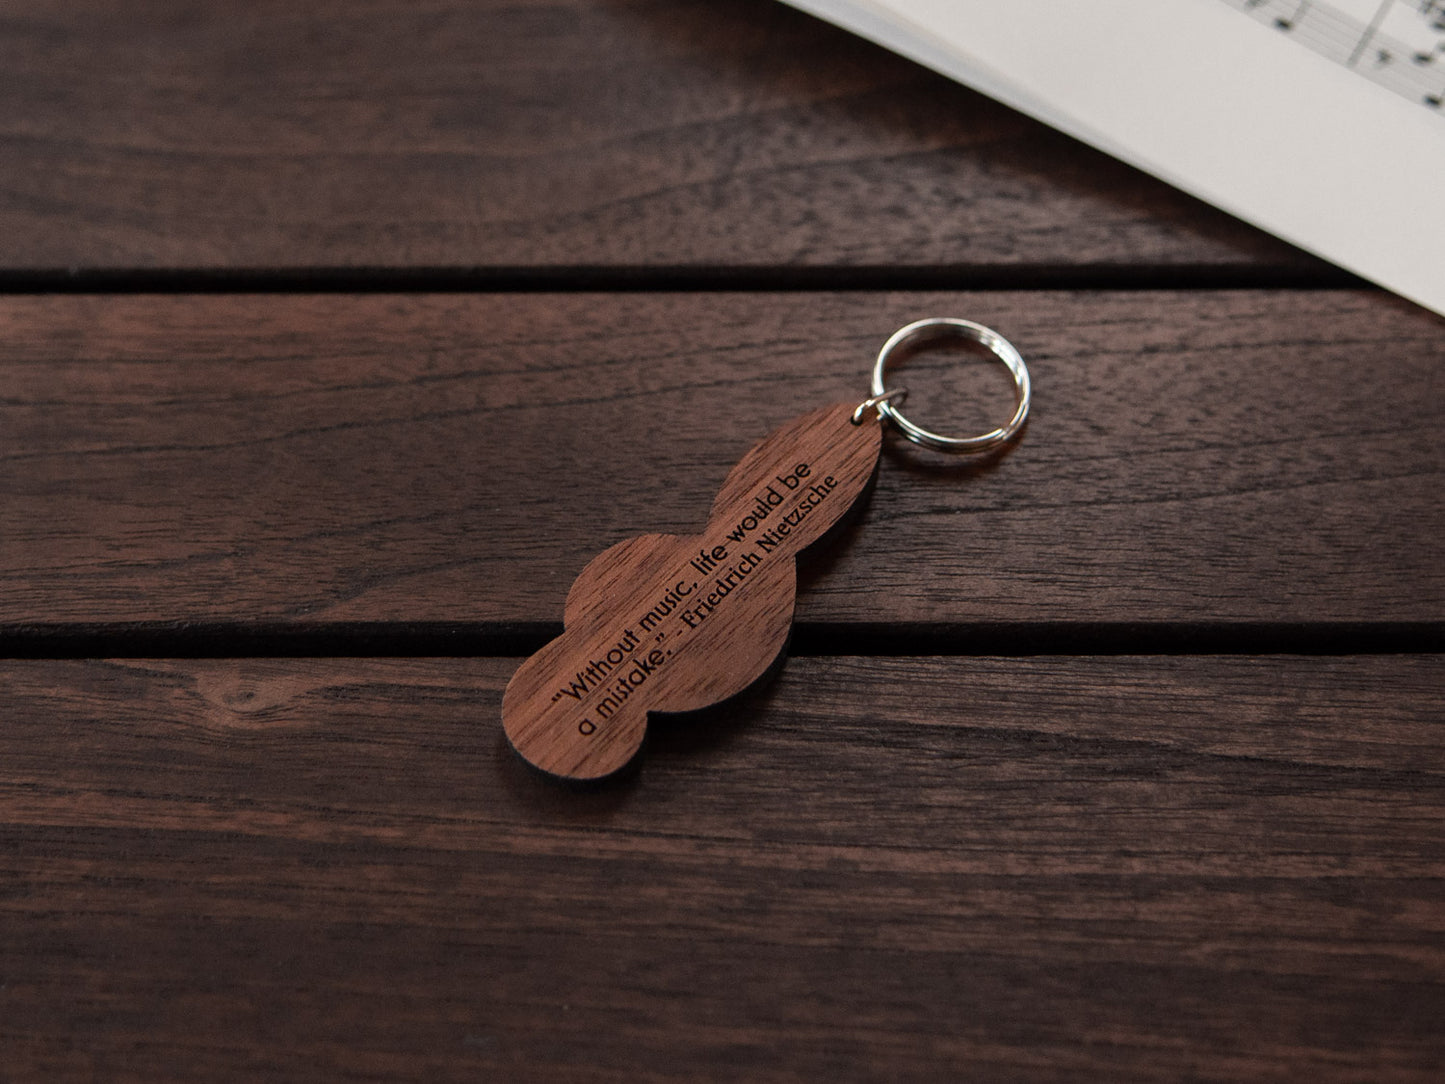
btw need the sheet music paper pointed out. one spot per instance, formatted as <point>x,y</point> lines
<point>1318,120</point>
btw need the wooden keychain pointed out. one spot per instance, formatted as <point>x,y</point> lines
<point>676,623</point>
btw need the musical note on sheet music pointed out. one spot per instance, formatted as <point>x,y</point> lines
<point>1398,44</point>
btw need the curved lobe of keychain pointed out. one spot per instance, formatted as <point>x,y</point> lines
<point>675,623</point>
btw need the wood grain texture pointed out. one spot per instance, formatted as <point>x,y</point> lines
<point>472,134</point>
<point>1031,869</point>
<point>1191,457</point>
<point>677,623</point>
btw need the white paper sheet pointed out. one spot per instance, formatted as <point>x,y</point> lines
<point>1321,122</point>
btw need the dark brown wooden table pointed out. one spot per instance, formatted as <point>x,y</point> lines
<point>337,339</point>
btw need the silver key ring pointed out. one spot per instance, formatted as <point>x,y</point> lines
<point>943,327</point>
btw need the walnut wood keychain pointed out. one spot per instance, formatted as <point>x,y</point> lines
<point>675,623</point>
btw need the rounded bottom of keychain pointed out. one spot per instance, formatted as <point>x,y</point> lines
<point>931,330</point>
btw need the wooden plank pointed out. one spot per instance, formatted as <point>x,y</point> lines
<point>1192,458</point>
<point>535,134</point>
<point>1126,869</point>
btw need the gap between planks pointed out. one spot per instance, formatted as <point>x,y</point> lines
<point>441,639</point>
<point>669,279</point>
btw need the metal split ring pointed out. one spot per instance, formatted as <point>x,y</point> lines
<point>942,327</point>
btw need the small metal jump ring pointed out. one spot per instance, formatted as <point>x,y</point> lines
<point>873,401</point>
<point>942,327</point>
